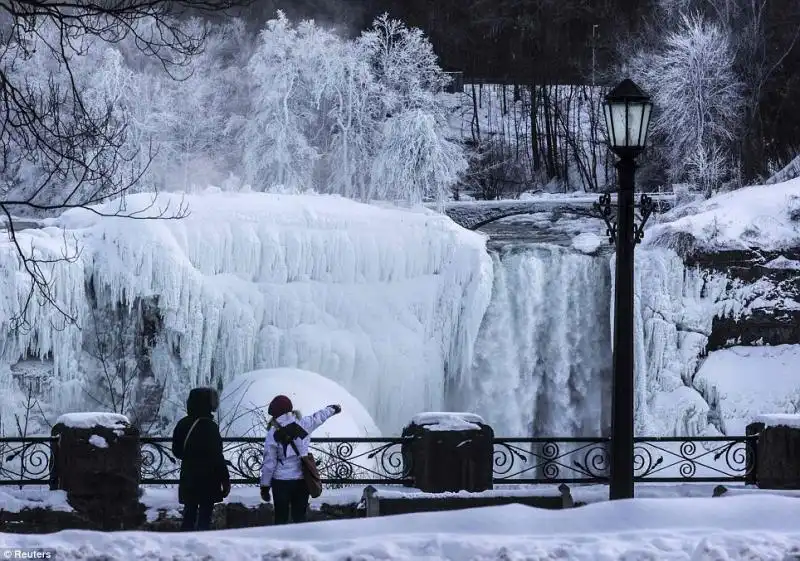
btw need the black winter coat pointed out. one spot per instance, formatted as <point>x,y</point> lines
<point>203,466</point>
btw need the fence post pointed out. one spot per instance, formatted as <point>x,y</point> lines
<point>54,442</point>
<point>371,501</point>
<point>751,432</point>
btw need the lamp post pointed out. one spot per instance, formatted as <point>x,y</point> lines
<point>627,113</point>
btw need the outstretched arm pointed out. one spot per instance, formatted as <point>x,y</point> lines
<point>313,422</point>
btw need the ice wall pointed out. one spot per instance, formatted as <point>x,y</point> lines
<point>543,352</point>
<point>385,302</point>
<point>674,308</point>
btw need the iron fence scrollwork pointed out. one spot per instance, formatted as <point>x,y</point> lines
<point>351,461</point>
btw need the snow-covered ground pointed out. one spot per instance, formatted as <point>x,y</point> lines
<point>744,527</point>
<point>762,216</point>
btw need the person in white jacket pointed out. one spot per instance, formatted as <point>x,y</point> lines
<point>282,470</point>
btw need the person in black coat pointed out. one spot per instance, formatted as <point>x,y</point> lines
<point>204,473</point>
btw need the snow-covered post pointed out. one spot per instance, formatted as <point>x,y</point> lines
<point>97,461</point>
<point>449,452</point>
<point>778,458</point>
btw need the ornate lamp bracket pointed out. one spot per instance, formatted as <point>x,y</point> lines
<point>646,208</point>
<point>605,209</point>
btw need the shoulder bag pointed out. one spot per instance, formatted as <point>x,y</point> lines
<point>310,471</point>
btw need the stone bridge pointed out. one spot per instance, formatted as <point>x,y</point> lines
<point>475,214</point>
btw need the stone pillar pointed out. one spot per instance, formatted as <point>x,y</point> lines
<point>97,461</point>
<point>777,451</point>
<point>449,452</point>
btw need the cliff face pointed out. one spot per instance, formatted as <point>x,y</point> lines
<point>768,284</point>
<point>719,306</point>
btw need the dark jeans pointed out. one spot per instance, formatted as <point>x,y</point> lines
<point>197,517</point>
<point>289,495</point>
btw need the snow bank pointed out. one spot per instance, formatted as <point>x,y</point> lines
<point>16,500</point>
<point>444,421</point>
<point>735,528</point>
<point>750,381</point>
<point>762,216</point>
<point>87,420</point>
<point>778,420</point>
<point>385,302</point>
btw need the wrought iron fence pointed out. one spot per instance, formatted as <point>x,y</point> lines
<point>656,459</point>
<point>341,461</point>
<point>361,461</point>
<point>26,460</point>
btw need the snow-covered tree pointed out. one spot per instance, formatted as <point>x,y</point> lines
<point>698,99</point>
<point>414,161</point>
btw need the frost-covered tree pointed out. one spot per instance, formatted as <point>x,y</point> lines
<point>414,160</point>
<point>329,114</point>
<point>698,98</point>
<point>63,143</point>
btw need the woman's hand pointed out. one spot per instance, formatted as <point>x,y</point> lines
<point>265,494</point>
<point>336,409</point>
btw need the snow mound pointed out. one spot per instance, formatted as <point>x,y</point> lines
<point>779,420</point>
<point>761,216</point>
<point>448,421</point>
<point>736,528</point>
<point>587,243</point>
<point>87,420</point>
<point>244,401</point>
<point>387,302</point>
<point>16,500</point>
<point>750,381</point>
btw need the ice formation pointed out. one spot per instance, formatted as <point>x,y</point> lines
<point>385,302</point>
<point>543,352</point>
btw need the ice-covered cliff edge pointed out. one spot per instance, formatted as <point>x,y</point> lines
<point>382,301</point>
<point>712,276</point>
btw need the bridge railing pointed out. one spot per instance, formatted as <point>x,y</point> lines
<point>361,461</point>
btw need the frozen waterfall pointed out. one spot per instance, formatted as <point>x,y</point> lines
<point>383,301</point>
<point>543,355</point>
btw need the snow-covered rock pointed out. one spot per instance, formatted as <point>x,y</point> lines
<point>587,243</point>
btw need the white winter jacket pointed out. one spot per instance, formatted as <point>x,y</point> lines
<point>287,467</point>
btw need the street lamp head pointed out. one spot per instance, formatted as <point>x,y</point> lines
<point>627,111</point>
